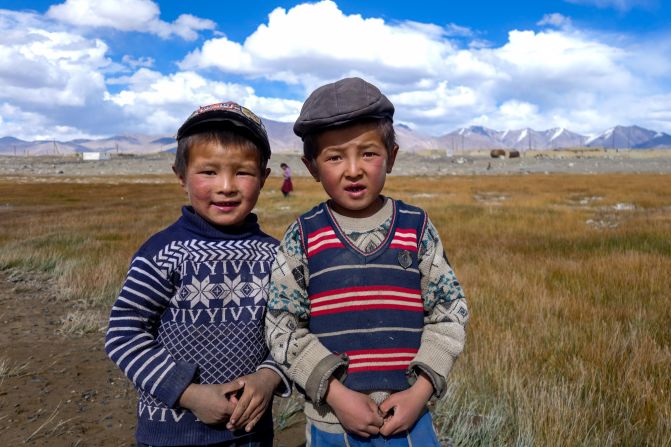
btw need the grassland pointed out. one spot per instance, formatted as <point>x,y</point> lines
<point>567,277</point>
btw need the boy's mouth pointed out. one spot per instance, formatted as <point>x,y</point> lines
<point>226,204</point>
<point>354,188</point>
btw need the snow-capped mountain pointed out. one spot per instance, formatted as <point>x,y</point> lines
<point>622,137</point>
<point>469,138</point>
<point>282,139</point>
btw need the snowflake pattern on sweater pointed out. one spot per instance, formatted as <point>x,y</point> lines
<point>191,310</point>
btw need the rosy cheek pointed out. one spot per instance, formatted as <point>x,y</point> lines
<point>199,187</point>
<point>378,162</point>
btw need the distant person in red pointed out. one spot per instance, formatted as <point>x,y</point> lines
<point>287,186</point>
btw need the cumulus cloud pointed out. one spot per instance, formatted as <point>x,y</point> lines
<point>134,62</point>
<point>48,68</point>
<point>540,76</point>
<point>127,15</point>
<point>159,103</point>
<point>322,41</point>
<point>439,77</point>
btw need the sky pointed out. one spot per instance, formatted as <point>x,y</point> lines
<point>96,68</point>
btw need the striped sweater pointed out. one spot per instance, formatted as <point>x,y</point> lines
<point>303,355</point>
<point>191,310</point>
<point>367,305</point>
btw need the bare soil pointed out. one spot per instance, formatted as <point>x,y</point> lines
<point>62,390</point>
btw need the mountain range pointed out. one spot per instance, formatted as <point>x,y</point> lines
<point>282,139</point>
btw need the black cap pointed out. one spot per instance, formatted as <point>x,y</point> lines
<point>227,115</point>
<point>342,102</point>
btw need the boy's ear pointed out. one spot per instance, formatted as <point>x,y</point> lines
<point>182,183</point>
<point>264,176</point>
<point>392,158</point>
<point>311,167</point>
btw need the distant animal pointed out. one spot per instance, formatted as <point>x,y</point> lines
<point>513,154</point>
<point>498,153</point>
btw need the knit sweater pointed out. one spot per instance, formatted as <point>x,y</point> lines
<point>367,305</point>
<point>191,310</point>
<point>304,357</point>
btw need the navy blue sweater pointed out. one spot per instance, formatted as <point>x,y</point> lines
<point>191,310</point>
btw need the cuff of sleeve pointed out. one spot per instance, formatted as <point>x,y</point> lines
<point>284,388</point>
<point>307,360</point>
<point>438,381</point>
<point>175,382</point>
<point>317,383</point>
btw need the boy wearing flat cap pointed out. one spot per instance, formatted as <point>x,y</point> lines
<point>365,314</point>
<point>187,326</point>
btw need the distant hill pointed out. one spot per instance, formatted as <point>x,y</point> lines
<point>283,139</point>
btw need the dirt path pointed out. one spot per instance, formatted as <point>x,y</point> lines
<point>58,390</point>
<point>55,390</point>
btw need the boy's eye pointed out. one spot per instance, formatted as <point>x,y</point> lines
<point>208,172</point>
<point>370,154</point>
<point>333,158</point>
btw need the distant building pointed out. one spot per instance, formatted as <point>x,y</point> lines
<point>95,156</point>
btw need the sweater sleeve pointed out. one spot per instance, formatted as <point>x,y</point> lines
<point>446,312</point>
<point>131,335</point>
<point>284,388</point>
<point>298,352</point>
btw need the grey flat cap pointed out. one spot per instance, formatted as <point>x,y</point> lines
<point>341,102</point>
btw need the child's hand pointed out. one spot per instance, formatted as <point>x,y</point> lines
<point>213,403</point>
<point>258,391</point>
<point>357,412</point>
<point>401,410</point>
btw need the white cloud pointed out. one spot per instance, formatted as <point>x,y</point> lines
<point>33,125</point>
<point>134,63</point>
<point>159,103</point>
<point>556,76</point>
<point>319,40</point>
<point>49,68</point>
<point>555,19</point>
<point>438,85</point>
<point>620,5</point>
<point>127,15</point>
<point>452,29</point>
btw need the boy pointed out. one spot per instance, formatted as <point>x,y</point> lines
<point>187,326</point>
<point>365,313</point>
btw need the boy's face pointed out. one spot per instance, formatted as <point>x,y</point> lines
<point>352,165</point>
<point>223,183</point>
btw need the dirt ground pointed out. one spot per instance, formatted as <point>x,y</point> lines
<point>59,390</point>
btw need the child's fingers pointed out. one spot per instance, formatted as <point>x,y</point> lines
<point>229,389</point>
<point>254,417</point>
<point>389,428</point>
<point>243,403</point>
<point>387,405</point>
<point>249,413</point>
<point>393,425</point>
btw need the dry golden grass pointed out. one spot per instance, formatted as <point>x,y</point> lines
<point>567,278</point>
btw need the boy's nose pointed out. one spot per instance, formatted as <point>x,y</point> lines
<point>353,168</point>
<point>226,184</point>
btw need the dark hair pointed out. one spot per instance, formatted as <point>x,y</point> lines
<point>222,136</point>
<point>385,128</point>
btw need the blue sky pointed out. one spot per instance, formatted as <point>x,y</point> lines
<point>90,68</point>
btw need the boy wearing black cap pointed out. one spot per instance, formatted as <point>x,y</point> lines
<point>187,326</point>
<point>365,313</point>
